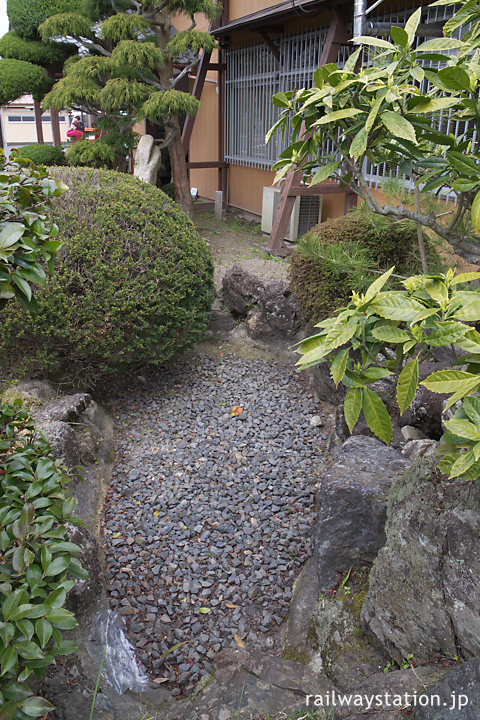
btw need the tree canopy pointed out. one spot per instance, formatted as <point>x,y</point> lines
<point>128,73</point>
<point>393,111</point>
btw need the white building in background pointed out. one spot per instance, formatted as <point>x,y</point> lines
<point>18,126</point>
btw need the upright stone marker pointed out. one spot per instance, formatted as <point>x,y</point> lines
<point>218,205</point>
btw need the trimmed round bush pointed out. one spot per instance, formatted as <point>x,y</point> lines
<point>344,253</point>
<point>132,285</point>
<point>42,154</point>
<point>90,153</point>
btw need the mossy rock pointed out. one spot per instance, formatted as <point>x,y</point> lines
<point>346,653</point>
<point>374,244</point>
<point>132,284</point>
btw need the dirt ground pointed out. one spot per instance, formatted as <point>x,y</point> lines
<point>237,240</point>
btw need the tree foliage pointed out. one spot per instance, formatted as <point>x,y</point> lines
<point>391,112</point>
<point>13,46</point>
<point>383,333</point>
<point>26,15</point>
<point>129,73</point>
<point>18,77</point>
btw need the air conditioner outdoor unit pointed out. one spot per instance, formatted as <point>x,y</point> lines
<point>306,213</point>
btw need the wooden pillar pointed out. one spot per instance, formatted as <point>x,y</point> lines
<point>336,36</point>
<point>55,127</point>
<point>38,122</point>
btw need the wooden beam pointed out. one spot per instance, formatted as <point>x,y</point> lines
<point>320,189</point>
<point>336,36</point>
<point>196,93</point>
<point>271,45</point>
<point>201,165</point>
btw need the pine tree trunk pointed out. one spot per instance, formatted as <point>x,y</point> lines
<point>175,149</point>
<point>179,170</point>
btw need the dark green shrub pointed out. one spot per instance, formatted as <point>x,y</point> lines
<point>26,15</point>
<point>132,283</point>
<point>18,77</point>
<point>33,51</point>
<point>342,255</point>
<point>42,154</point>
<point>90,153</point>
<point>37,565</point>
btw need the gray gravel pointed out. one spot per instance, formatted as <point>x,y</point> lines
<point>208,519</point>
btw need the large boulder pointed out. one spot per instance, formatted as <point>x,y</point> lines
<point>348,530</point>
<point>352,503</point>
<point>241,290</point>
<point>424,595</point>
<point>456,697</point>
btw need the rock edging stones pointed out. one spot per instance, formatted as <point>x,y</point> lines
<point>81,434</point>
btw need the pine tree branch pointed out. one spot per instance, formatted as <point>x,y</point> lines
<point>175,80</point>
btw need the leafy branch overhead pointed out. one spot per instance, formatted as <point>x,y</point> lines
<point>390,111</point>
<point>388,334</point>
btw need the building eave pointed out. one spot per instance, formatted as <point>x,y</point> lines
<point>273,15</point>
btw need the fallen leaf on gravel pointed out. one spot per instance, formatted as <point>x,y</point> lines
<point>230,604</point>
<point>238,640</point>
<point>156,512</point>
<point>116,535</point>
<point>158,681</point>
<point>205,610</point>
<point>236,411</point>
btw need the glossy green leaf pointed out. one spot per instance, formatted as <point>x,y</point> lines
<point>339,365</point>
<point>464,462</point>
<point>398,126</point>
<point>464,429</point>
<point>352,406</point>
<point>407,385</point>
<point>447,381</point>
<point>378,284</point>
<point>376,415</point>
<point>324,173</point>
<point>475,212</point>
<point>390,334</point>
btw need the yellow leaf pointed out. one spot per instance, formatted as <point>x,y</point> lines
<point>236,411</point>
<point>238,640</point>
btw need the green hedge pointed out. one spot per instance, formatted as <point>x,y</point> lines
<point>42,154</point>
<point>345,254</point>
<point>132,284</point>
<point>38,562</point>
<point>91,153</point>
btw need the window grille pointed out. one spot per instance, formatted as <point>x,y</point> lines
<point>253,76</point>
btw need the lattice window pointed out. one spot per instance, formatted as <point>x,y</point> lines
<point>253,75</point>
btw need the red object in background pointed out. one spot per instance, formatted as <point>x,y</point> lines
<point>92,133</point>
<point>74,134</point>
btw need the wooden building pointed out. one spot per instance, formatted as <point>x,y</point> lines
<point>267,47</point>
